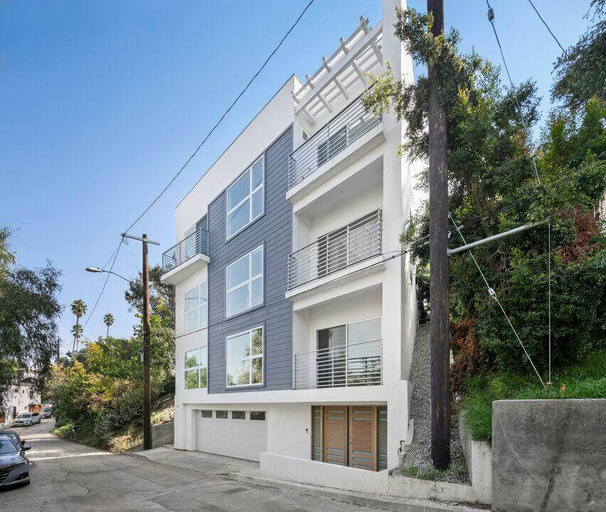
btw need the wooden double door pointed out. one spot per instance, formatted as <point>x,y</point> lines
<point>349,436</point>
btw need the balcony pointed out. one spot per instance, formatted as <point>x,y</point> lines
<point>342,248</point>
<point>185,258</point>
<point>320,150</point>
<point>359,364</point>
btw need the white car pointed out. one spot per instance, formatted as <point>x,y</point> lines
<point>26,419</point>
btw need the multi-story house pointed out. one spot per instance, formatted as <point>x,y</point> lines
<point>296,310</point>
<point>21,396</point>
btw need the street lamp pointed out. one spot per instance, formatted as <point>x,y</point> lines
<point>96,270</point>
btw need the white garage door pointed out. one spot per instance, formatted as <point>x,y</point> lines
<point>241,434</point>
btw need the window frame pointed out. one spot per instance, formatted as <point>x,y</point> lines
<point>198,367</point>
<point>251,192</point>
<point>185,311</point>
<point>250,359</point>
<point>247,282</point>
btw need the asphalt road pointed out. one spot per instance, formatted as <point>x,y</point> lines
<point>68,477</point>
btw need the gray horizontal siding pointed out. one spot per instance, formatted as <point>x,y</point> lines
<point>274,232</point>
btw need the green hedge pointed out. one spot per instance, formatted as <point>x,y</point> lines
<point>585,380</point>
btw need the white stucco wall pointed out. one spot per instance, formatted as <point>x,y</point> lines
<point>19,397</point>
<point>270,122</point>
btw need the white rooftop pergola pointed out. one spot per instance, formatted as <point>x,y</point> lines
<point>341,77</point>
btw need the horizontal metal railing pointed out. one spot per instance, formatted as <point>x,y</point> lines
<point>358,364</point>
<point>342,131</point>
<point>196,243</point>
<point>334,251</point>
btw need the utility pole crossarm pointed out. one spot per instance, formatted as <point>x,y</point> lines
<point>144,239</point>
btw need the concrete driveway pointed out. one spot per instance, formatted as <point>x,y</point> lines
<point>68,477</point>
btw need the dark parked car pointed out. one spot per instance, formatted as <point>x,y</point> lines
<point>16,438</point>
<point>47,413</point>
<point>14,466</point>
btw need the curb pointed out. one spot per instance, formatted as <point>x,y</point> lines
<point>381,502</point>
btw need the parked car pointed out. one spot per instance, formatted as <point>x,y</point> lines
<point>14,465</point>
<point>16,438</point>
<point>25,419</point>
<point>47,413</point>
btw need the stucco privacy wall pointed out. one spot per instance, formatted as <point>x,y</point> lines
<point>549,455</point>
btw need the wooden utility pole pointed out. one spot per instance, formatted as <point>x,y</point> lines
<point>147,429</point>
<point>438,261</point>
<point>147,432</point>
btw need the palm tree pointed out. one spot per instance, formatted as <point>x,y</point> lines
<point>77,331</point>
<point>108,320</point>
<point>79,309</point>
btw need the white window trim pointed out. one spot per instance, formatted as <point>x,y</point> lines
<point>199,367</point>
<point>249,196</point>
<point>248,282</point>
<point>249,358</point>
<point>185,311</point>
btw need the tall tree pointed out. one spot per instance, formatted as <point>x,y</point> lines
<point>581,70</point>
<point>29,309</point>
<point>108,320</point>
<point>493,188</point>
<point>77,331</point>
<point>161,297</point>
<point>6,257</point>
<point>78,308</point>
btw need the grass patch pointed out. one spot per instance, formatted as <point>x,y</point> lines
<point>584,380</point>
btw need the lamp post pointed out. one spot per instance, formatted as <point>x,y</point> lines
<point>96,270</point>
<point>147,430</point>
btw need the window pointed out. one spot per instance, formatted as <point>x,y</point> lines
<point>206,414</point>
<point>196,307</point>
<point>195,368</point>
<point>222,415</point>
<point>349,355</point>
<point>245,201</point>
<point>245,358</point>
<point>244,283</point>
<point>257,415</point>
<point>238,415</point>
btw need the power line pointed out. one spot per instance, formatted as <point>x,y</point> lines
<point>515,97</point>
<point>508,206</point>
<point>115,257</point>
<point>546,26</point>
<point>215,126</point>
<point>222,117</point>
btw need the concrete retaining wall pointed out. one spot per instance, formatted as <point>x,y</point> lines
<point>478,456</point>
<point>292,469</point>
<point>549,455</point>
<point>163,434</point>
<point>325,475</point>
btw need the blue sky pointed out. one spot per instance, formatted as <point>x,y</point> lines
<point>101,103</point>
